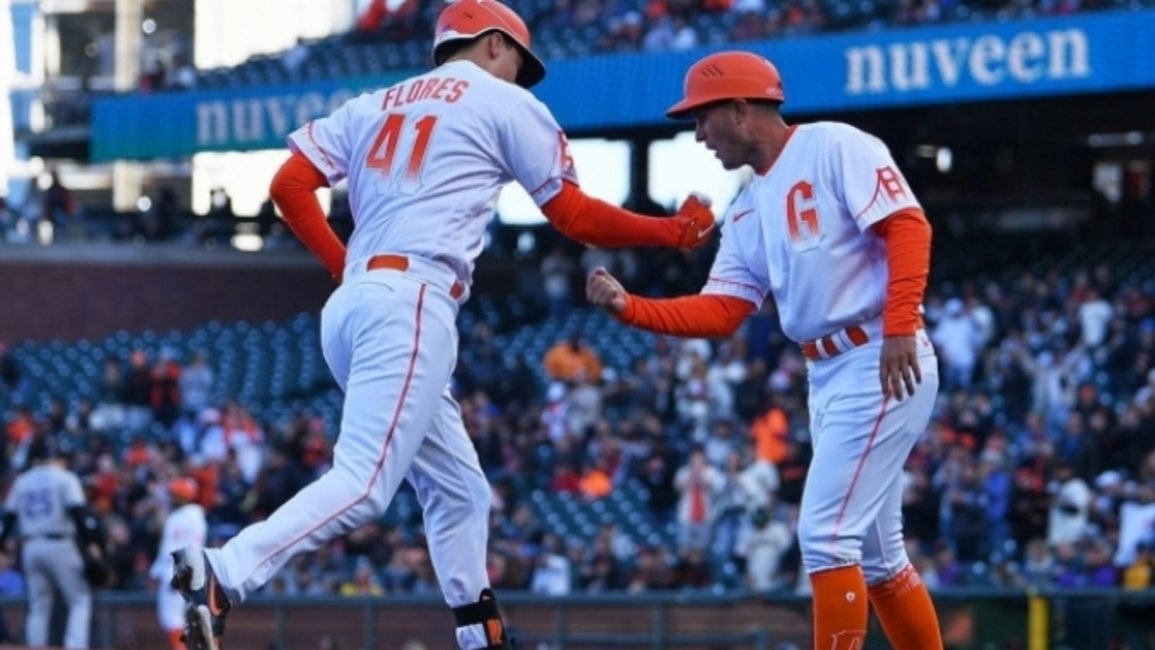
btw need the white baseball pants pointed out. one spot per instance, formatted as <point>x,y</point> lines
<point>851,509</point>
<point>49,562</point>
<point>169,608</point>
<point>390,340</point>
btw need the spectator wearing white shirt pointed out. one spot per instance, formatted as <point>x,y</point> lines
<point>1095,315</point>
<point>1136,524</point>
<point>1070,507</point>
<point>698,485</point>
<point>552,575</point>
<point>1054,381</point>
<point>758,482</point>
<point>685,37</point>
<point>762,542</point>
<point>958,339</point>
<point>727,370</point>
<point>721,443</point>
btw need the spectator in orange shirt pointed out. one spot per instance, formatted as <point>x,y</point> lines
<point>21,425</point>
<point>597,483</point>
<point>771,434</point>
<point>572,360</point>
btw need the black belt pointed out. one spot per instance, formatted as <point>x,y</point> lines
<point>55,536</point>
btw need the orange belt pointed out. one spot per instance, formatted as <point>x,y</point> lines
<point>401,263</point>
<point>829,346</point>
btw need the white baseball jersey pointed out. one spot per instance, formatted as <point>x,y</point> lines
<point>427,157</point>
<point>798,231</point>
<point>41,498</point>
<point>185,526</point>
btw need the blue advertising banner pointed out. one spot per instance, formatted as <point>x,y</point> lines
<point>1083,53</point>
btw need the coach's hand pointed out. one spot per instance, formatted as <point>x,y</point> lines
<point>898,366</point>
<point>697,221</point>
<point>603,290</point>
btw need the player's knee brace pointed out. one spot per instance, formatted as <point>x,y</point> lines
<point>485,613</point>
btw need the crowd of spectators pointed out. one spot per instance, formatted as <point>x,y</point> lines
<point>664,25</point>
<point>396,33</point>
<point>1037,469</point>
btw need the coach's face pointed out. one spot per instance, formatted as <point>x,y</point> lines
<point>719,127</point>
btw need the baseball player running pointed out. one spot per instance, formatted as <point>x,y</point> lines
<point>185,526</point>
<point>47,504</point>
<point>425,161</point>
<point>831,228</point>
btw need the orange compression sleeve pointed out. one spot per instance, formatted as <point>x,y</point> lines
<point>907,236</point>
<point>700,316</point>
<point>597,223</point>
<point>294,190</point>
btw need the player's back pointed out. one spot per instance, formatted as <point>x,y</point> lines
<point>426,159</point>
<point>41,497</point>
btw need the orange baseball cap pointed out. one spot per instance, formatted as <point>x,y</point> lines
<point>183,488</point>
<point>728,75</point>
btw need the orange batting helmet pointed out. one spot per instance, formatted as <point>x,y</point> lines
<point>466,19</point>
<point>183,488</point>
<point>728,75</point>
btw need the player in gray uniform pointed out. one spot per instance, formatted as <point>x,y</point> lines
<point>47,504</point>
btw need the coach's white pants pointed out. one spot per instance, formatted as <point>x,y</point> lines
<point>169,608</point>
<point>49,562</point>
<point>852,503</point>
<point>390,340</point>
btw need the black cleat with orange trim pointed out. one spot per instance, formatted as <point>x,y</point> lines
<point>485,612</point>
<point>206,604</point>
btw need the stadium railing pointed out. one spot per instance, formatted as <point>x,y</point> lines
<point>971,618</point>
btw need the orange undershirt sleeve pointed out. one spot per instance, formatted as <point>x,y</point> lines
<point>294,191</point>
<point>597,223</point>
<point>700,316</point>
<point>907,235</point>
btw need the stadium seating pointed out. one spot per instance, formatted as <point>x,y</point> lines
<point>276,369</point>
<point>342,57</point>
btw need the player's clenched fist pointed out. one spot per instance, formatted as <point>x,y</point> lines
<point>697,221</point>
<point>603,290</point>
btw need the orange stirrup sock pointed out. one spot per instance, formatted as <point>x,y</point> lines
<point>904,607</point>
<point>174,641</point>
<point>840,608</point>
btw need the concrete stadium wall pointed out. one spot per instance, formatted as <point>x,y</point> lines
<point>69,293</point>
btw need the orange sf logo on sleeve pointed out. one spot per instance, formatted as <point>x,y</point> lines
<point>890,183</point>
<point>567,165</point>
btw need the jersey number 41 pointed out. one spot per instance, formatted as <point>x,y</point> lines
<point>383,154</point>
